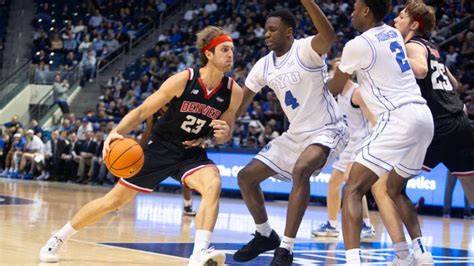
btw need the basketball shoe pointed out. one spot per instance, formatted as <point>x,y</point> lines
<point>207,257</point>
<point>49,252</point>
<point>326,230</point>
<point>259,244</point>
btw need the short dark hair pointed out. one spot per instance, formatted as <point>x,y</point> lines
<point>379,8</point>
<point>286,16</point>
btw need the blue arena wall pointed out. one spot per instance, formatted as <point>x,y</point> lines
<point>428,185</point>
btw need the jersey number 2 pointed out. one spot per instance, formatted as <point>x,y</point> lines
<point>290,100</point>
<point>192,124</point>
<point>402,61</point>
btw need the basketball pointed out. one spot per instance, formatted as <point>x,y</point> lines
<point>125,158</point>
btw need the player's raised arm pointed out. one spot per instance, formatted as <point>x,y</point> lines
<point>322,42</point>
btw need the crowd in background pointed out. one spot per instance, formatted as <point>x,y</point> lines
<point>80,33</point>
<point>87,33</point>
<point>4,14</point>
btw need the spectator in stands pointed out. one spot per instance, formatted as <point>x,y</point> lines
<point>69,155</point>
<point>238,135</point>
<point>84,127</point>
<point>41,72</point>
<point>60,96</point>
<point>70,62</point>
<point>56,44</point>
<point>84,45</point>
<point>35,127</point>
<point>96,19</point>
<point>88,65</point>
<point>70,43</point>
<point>12,126</point>
<point>87,152</point>
<point>34,148</point>
<point>267,135</point>
<point>4,148</point>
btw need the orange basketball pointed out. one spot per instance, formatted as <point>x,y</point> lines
<point>125,158</point>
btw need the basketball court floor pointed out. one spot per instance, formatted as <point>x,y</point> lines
<point>153,231</point>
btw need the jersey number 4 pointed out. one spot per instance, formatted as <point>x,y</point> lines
<point>290,100</point>
<point>402,61</point>
<point>193,124</point>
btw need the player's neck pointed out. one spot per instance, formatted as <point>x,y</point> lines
<point>284,49</point>
<point>210,76</point>
<point>409,36</point>
<point>373,25</point>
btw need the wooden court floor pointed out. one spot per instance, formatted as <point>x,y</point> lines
<point>152,231</point>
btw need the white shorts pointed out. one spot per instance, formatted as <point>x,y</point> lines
<point>347,156</point>
<point>399,141</point>
<point>281,153</point>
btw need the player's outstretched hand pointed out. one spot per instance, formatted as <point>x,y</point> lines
<point>221,130</point>
<point>111,137</point>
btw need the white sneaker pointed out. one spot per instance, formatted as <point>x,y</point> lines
<point>367,231</point>
<point>408,261</point>
<point>49,252</point>
<point>207,257</point>
<point>425,259</point>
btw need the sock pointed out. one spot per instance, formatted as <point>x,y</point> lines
<point>188,203</point>
<point>202,239</point>
<point>287,243</point>
<point>418,247</point>
<point>367,222</point>
<point>401,249</point>
<point>353,256</point>
<point>264,229</point>
<point>333,223</point>
<point>66,232</point>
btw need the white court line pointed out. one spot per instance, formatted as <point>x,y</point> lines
<point>129,249</point>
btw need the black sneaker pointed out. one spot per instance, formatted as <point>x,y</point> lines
<point>258,245</point>
<point>282,257</point>
<point>188,211</point>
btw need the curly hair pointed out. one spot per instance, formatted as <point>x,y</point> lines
<point>204,37</point>
<point>379,8</point>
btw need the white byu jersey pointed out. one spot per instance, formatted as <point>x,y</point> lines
<point>378,56</point>
<point>298,80</point>
<point>358,126</point>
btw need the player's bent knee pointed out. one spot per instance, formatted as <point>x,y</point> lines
<point>212,188</point>
<point>244,178</point>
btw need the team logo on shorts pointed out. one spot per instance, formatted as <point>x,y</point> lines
<point>267,147</point>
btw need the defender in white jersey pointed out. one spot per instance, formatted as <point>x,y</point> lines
<point>295,70</point>
<point>357,117</point>
<point>404,128</point>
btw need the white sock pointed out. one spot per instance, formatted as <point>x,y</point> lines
<point>202,239</point>
<point>287,243</point>
<point>188,202</point>
<point>353,256</point>
<point>66,232</point>
<point>418,247</point>
<point>401,249</point>
<point>367,221</point>
<point>264,229</point>
<point>333,223</point>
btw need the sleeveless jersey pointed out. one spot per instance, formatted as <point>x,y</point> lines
<point>436,87</point>
<point>378,56</point>
<point>189,115</point>
<point>298,80</point>
<point>358,126</point>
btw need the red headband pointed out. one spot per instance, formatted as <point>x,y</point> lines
<point>216,41</point>
<point>421,25</point>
